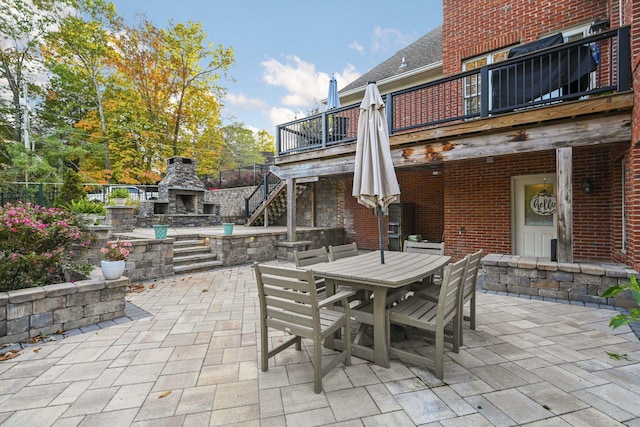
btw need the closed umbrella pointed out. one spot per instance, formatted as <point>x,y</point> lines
<point>374,178</point>
<point>333,101</point>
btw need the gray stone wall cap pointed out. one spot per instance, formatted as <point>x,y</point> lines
<point>527,262</point>
<point>594,269</point>
<point>294,244</point>
<point>548,265</point>
<point>24,295</point>
<point>60,289</point>
<point>4,298</point>
<point>491,259</point>
<point>90,285</point>
<point>613,270</point>
<point>511,260</point>
<point>122,281</point>
<point>569,267</point>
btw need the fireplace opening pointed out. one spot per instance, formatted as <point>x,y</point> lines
<point>186,204</point>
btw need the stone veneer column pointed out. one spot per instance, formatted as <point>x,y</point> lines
<point>120,218</point>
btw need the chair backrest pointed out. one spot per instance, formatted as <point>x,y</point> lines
<point>342,251</point>
<point>288,300</point>
<point>471,276</point>
<point>432,248</point>
<point>310,257</point>
<point>452,280</point>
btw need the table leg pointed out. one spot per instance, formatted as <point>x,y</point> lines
<point>381,352</point>
<point>330,289</point>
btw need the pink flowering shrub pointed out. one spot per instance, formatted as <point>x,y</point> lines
<point>116,251</point>
<point>38,246</point>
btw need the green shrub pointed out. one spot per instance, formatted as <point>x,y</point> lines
<point>634,313</point>
<point>119,193</point>
<point>71,188</point>
<point>38,246</point>
<point>86,206</point>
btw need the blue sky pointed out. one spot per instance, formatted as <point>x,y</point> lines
<point>286,50</point>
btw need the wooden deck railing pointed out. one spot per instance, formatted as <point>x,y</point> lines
<point>568,71</point>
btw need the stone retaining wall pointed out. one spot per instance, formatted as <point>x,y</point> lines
<point>241,249</point>
<point>230,201</point>
<point>26,313</point>
<point>149,258</point>
<point>579,281</point>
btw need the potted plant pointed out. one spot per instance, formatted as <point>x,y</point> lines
<point>115,254</point>
<point>86,211</point>
<point>119,196</point>
<point>162,227</point>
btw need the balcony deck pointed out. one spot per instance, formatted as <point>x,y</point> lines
<point>456,118</point>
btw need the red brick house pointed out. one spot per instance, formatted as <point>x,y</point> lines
<point>520,131</point>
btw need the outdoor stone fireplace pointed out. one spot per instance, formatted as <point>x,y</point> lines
<point>181,198</point>
<point>182,188</point>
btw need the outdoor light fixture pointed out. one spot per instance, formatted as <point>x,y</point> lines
<point>587,186</point>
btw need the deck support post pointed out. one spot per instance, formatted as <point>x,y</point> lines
<point>291,210</point>
<point>564,200</point>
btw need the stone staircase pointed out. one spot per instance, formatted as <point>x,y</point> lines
<point>191,254</point>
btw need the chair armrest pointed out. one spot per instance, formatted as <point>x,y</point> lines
<point>343,294</point>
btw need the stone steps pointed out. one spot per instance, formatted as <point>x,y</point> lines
<point>190,255</point>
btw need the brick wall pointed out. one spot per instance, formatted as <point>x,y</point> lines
<point>421,187</point>
<point>631,16</point>
<point>470,203</point>
<point>472,28</point>
<point>478,200</point>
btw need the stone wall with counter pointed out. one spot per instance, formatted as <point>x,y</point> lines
<point>580,281</point>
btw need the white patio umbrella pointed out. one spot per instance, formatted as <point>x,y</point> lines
<point>333,101</point>
<point>374,178</point>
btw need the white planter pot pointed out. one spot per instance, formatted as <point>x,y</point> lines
<point>112,270</point>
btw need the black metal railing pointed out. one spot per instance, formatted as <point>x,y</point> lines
<point>567,71</point>
<point>261,193</point>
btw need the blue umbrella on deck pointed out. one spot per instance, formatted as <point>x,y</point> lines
<point>333,101</point>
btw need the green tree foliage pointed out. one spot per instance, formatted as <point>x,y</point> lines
<point>119,98</point>
<point>240,148</point>
<point>71,189</point>
<point>78,55</point>
<point>22,27</point>
<point>175,74</point>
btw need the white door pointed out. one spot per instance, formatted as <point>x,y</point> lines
<point>534,217</point>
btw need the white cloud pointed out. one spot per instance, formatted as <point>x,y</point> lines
<point>389,40</point>
<point>357,47</point>
<point>242,101</point>
<point>302,85</point>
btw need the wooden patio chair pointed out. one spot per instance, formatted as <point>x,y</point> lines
<point>431,318</point>
<point>342,251</point>
<point>289,303</point>
<point>310,257</point>
<point>430,248</point>
<point>467,294</point>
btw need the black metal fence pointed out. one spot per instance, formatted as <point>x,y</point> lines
<point>42,194</point>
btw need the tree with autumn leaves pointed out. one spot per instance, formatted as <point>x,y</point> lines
<point>123,97</point>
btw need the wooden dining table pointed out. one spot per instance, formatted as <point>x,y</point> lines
<point>365,271</point>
